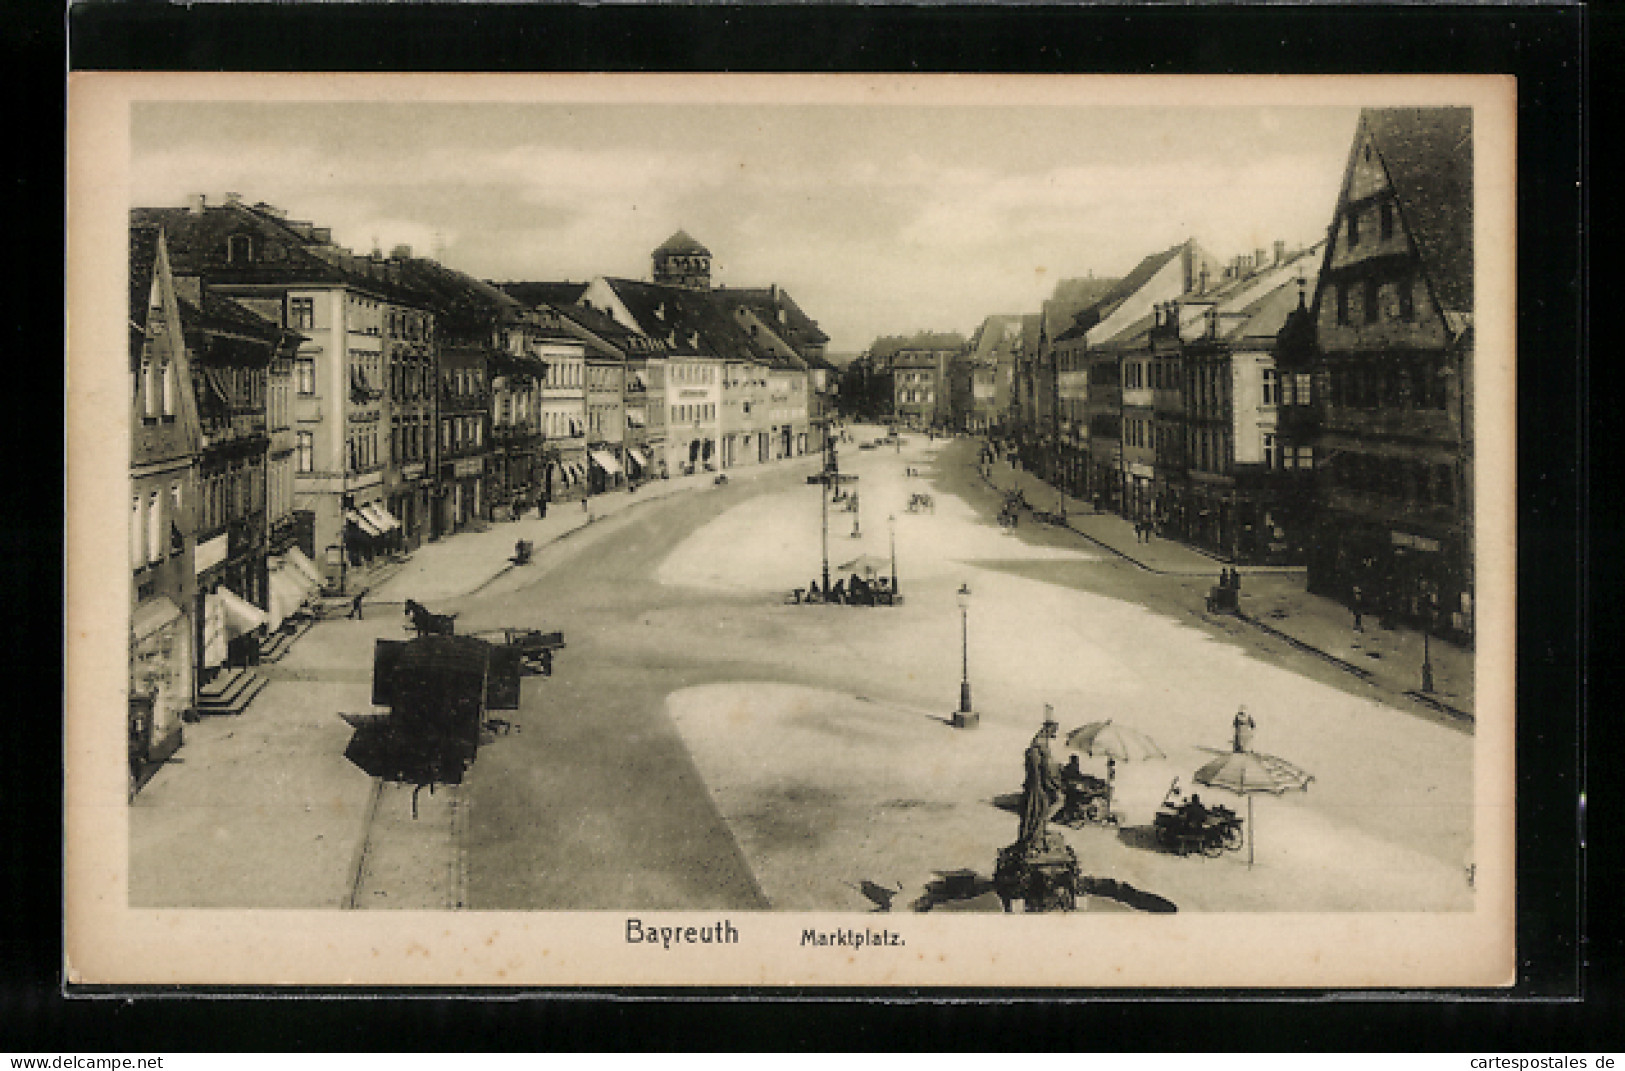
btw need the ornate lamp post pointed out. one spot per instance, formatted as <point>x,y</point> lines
<point>964,717</point>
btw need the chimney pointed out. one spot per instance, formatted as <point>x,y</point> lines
<point>322,235</point>
<point>234,198</point>
<point>401,252</point>
<point>1203,278</point>
<point>196,203</point>
<point>1260,259</point>
<point>1280,251</point>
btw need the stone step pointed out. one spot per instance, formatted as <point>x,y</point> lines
<point>230,693</point>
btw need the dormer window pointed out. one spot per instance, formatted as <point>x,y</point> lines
<point>239,249</point>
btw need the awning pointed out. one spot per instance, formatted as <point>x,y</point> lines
<point>218,386</point>
<point>287,595</point>
<point>606,461</point>
<point>639,456</point>
<point>380,517</point>
<point>153,615</point>
<point>561,475</point>
<point>238,616</point>
<point>304,565</point>
<point>579,471</point>
<point>363,522</point>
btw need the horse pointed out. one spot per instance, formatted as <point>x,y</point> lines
<point>429,624</point>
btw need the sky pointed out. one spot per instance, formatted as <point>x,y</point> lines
<point>877,219</point>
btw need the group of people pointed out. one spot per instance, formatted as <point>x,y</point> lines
<point>855,591</point>
<point>1230,579</point>
<point>1047,786</point>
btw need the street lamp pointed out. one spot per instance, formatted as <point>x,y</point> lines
<point>964,717</point>
<point>823,497</point>
<point>891,524</point>
<point>1427,660</point>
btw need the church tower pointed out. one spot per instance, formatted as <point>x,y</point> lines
<point>681,261</point>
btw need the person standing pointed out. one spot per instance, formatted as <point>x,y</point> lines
<point>1243,731</point>
<point>1357,603</point>
<point>355,606</point>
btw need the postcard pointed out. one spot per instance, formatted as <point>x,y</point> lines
<point>753,530</point>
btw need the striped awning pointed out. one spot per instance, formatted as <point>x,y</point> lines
<point>606,461</point>
<point>153,615</point>
<point>639,456</point>
<point>381,518</point>
<point>363,522</point>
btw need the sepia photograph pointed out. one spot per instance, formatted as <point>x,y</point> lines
<point>817,530</point>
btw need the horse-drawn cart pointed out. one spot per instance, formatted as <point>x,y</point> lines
<point>439,689</point>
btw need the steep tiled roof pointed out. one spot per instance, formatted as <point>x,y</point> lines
<point>795,326</point>
<point>1428,156</point>
<point>143,262</point>
<point>683,244</point>
<point>995,334</point>
<point>457,299</point>
<point>1071,297</point>
<point>688,320</point>
<point>197,245</point>
<point>544,293</point>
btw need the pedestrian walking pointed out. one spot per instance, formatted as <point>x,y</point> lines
<point>1356,604</point>
<point>541,509</point>
<point>355,606</point>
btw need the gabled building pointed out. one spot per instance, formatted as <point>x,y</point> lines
<point>165,443</point>
<point>1241,486</point>
<point>290,273</point>
<point>1132,362</point>
<point>1391,369</point>
<point>1060,369</point>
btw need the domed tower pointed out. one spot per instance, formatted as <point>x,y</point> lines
<point>681,261</point>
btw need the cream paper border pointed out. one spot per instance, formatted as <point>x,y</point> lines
<point>108,943</point>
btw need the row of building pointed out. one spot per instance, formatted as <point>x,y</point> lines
<point>1286,406</point>
<point>301,415</point>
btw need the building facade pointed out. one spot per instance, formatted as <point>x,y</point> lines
<point>1392,371</point>
<point>165,443</point>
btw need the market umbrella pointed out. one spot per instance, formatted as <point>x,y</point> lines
<point>870,565</point>
<point>1248,773</point>
<point>1118,741</point>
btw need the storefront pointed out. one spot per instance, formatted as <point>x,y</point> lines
<point>162,681</point>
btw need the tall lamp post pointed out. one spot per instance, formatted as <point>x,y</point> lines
<point>964,717</point>
<point>891,523</point>
<point>823,494</point>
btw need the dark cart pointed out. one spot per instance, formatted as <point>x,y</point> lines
<point>535,647</point>
<point>439,689</point>
<point>1220,832</point>
<point>1222,600</point>
<point>1088,799</point>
